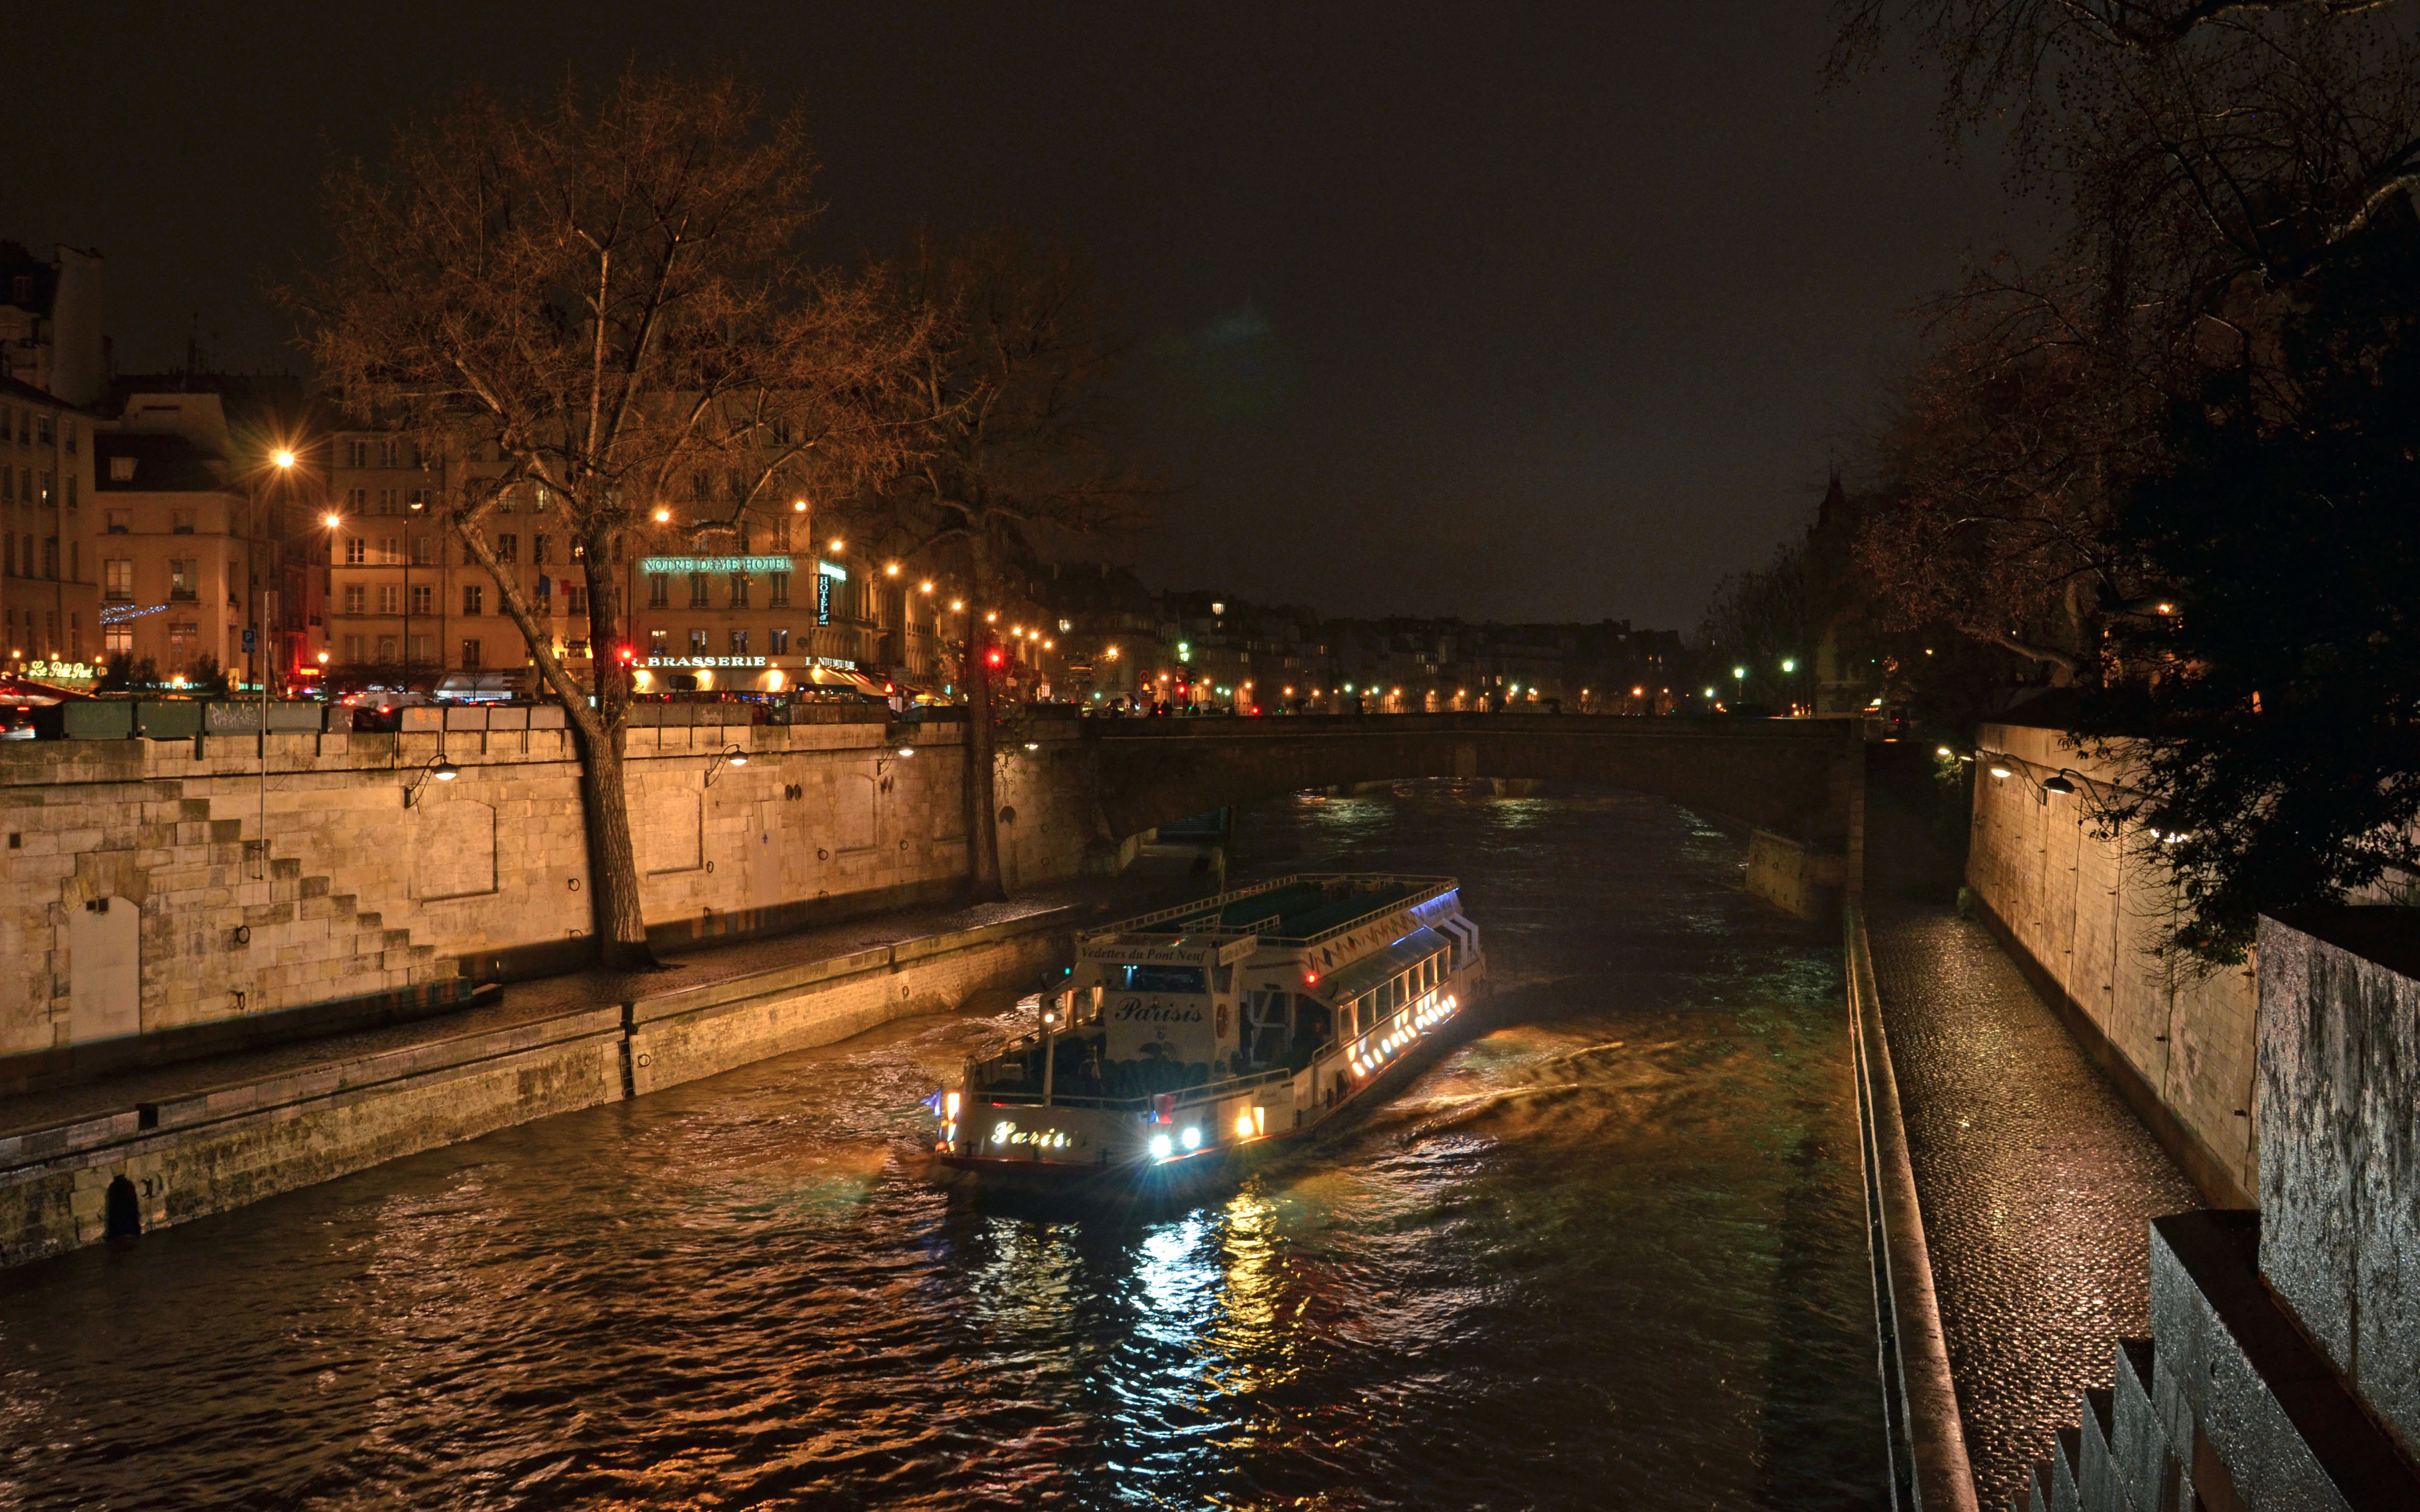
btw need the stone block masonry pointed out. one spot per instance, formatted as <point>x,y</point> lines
<point>146,913</point>
<point>2083,913</point>
<point>195,1148</point>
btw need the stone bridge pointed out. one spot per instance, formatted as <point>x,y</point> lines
<point>1798,778</point>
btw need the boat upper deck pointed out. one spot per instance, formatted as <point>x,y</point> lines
<point>1300,910</point>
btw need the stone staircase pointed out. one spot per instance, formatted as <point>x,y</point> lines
<point>2122,1455</point>
<point>259,945</point>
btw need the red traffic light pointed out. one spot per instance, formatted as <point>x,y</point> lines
<point>992,656</point>
<point>629,654</point>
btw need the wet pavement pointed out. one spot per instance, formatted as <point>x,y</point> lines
<point>2035,1178</point>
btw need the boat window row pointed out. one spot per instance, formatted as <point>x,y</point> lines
<point>1371,1008</point>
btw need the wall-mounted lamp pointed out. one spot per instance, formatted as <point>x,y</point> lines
<point>438,767</point>
<point>2059,785</point>
<point>727,756</point>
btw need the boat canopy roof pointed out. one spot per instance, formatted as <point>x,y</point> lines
<point>1298,908</point>
<point>1373,969</point>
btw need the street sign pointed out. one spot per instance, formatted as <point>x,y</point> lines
<point>248,646</point>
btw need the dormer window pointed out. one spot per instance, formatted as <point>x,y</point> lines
<point>121,470</point>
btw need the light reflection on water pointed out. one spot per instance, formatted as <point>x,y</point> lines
<point>1609,1254</point>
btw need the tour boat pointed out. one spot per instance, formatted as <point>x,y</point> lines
<point>1189,1045</point>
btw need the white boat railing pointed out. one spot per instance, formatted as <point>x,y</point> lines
<point>1425,890</point>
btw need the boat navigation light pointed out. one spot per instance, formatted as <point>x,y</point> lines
<point>1193,1137</point>
<point>1161,1147</point>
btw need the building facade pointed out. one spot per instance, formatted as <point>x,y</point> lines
<point>49,605</point>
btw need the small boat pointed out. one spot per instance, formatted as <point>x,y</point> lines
<point>1189,1045</point>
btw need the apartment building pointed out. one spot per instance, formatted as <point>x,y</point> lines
<point>393,584</point>
<point>767,607</point>
<point>50,323</point>
<point>49,605</point>
<point>179,553</point>
<point>762,605</point>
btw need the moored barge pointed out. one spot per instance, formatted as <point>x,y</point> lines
<point>1189,1044</point>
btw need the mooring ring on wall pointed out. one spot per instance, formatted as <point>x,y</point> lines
<point>575,884</point>
<point>710,869</point>
<point>243,934</point>
<point>822,855</point>
<point>903,845</point>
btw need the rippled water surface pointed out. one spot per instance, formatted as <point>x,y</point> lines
<point>1607,1256</point>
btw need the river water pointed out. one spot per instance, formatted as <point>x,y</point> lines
<point>1609,1254</point>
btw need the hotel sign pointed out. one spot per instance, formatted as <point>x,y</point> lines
<point>715,563</point>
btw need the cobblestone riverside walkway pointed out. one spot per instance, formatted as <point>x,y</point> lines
<point>2034,1180</point>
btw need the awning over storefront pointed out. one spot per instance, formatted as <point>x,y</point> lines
<point>20,692</point>
<point>840,677</point>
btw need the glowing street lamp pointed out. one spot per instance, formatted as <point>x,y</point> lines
<point>282,457</point>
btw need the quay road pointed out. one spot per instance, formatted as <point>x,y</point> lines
<point>2036,1180</point>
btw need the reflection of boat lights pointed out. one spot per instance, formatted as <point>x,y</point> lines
<point>1161,1147</point>
<point>1192,1138</point>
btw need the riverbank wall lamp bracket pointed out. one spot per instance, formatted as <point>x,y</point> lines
<point>438,767</point>
<point>728,756</point>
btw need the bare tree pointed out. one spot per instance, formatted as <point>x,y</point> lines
<point>2000,475</point>
<point>2212,157</point>
<point>584,305</point>
<point>1759,620</point>
<point>1007,425</point>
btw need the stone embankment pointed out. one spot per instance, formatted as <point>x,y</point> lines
<point>167,1145</point>
<point>161,898</point>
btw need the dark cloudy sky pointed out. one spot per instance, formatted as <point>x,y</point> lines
<point>1497,310</point>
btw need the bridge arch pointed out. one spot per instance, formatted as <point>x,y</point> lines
<point>1800,778</point>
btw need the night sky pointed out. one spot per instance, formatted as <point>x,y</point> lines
<point>1500,311</point>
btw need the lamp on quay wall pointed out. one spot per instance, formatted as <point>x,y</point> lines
<point>438,767</point>
<point>727,756</point>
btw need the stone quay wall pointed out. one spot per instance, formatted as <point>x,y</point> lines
<point>216,1148</point>
<point>2283,1368</point>
<point>2082,915</point>
<point>140,920</point>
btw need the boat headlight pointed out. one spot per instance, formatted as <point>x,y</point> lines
<point>1161,1147</point>
<point>1192,1138</point>
<point>1243,1126</point>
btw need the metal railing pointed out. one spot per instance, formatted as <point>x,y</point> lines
<point>1426,890</point>
<point>1926,1439</point>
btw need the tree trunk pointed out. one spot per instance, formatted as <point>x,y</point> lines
<point>983,802</point>
<point>612,859</point>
